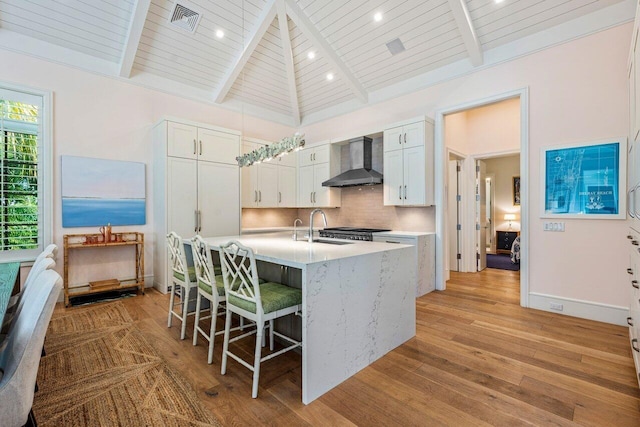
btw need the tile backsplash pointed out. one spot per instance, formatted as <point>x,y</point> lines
<point>361,207</point>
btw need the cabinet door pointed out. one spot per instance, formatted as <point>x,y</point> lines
<point>414,176</point>
<point>216,146</point>
<point>268,185</point>
<point>287,187</point>
<point>250,186</point>
<point>392,139</point>
<point>321,173</point>
<point>321,154</point>
<point>393,178</point>
<point>290,160</point>
<point>305,186</point>
<point>182,193</point>
<point>182,140</point>
<point>218,199</point>
<point>413,135</point>
<point>305,157</point>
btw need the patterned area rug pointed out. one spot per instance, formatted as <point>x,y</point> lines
<point>100,371</point>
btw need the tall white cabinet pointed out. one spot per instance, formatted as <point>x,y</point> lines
<point>633,196</point>
<point>196,185</point>
<point>408,164</point>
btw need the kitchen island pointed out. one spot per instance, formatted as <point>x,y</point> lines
<point>358,301</point>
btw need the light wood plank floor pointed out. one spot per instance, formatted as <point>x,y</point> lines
<point>478,359</point>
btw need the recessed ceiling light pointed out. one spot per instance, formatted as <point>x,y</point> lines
<point>330,76</point>
<point>311,55</point>
<point>377,17</point>
<point>219,34</point>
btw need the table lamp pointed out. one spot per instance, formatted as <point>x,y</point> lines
<point>509,217</point>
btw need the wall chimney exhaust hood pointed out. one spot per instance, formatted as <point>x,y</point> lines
<point>360,163</point>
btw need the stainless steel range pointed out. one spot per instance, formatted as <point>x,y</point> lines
<point>350,233</point>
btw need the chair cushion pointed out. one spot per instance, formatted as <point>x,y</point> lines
<point>219,286</point>
<point>192,274</point>
<point>275,296</point>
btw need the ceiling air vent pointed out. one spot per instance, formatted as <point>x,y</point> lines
<point>184,16</point>
<point>395,46</point>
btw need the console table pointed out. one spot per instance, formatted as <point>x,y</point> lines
<point>95,241</point>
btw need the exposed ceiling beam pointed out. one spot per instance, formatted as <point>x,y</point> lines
<point>262,25</point>
<point>469,36</point>
<point>314,36</point>
<point>288,60</point>
<point>136,26</point>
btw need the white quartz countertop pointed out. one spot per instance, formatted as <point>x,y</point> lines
<point>404,233</point>
<point>280,248</point>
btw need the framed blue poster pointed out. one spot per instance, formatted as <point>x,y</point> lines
<point>585,180</point>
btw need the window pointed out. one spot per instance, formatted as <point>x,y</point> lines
<point>24,175</point>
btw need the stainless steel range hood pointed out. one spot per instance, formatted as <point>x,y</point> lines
<point>360,172</point>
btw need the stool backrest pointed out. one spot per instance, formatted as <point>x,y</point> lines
<point>32,283</point>
<point>203,262</point>
<point>240,274</point>
<point>177,259</point>
<point>50,251</point>
<point>20,354</point>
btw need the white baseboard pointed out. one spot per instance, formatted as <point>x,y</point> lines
<point>583,309</point>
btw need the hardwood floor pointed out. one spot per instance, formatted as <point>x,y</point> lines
<point>478,358</point>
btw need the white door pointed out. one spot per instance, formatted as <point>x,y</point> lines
<point>268,185</point>
<point>414,176</point>
<point>182,203</point>
<point>219,199</point>
<point>393,178</point>
<point>481,214</point>
<point>287,187</point>
<point>305,186</point>
<point>182,140</point>
<point>321,173</point>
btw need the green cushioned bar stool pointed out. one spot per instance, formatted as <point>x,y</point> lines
<point>182,276</point>
<point>260,303</point>
<point>211,287</point>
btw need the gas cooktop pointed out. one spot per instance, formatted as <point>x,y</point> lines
<point>350,233</point>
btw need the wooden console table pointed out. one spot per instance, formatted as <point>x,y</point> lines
<point>84,241</point>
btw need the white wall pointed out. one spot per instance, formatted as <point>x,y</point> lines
<point>100,117</point>
<point>577,92</point>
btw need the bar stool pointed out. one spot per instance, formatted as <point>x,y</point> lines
<point>183,276</point>
<point>257,302</point>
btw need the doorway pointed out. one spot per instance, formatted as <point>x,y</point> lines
<point>486,148</point>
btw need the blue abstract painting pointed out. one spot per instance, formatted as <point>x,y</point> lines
<point>98,192</point>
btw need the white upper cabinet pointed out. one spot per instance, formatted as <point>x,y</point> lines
<point>193,142</point>
<point>317,164</point>
<point>408,164</point>
<point>268,184</point>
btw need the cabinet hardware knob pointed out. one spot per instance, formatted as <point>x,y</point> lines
<point>405,192</point>
<point>201,148</point>
<point>400,192</point>
<point>629,236</point>
<point>634,242</point>
<point>405,137</point>
<point>259,195</point>
<point>194,147</point>
<point>630,321</point>
<point>629,271</point>
<point>634,345</point>
<point>400,138</point>
<point>634,283</point>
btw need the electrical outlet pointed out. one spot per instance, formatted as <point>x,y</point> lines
<point>555,306</point>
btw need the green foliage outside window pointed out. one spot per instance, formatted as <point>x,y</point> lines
<point>18,177</point>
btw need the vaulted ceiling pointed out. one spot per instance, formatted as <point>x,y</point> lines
<point>254,55</point>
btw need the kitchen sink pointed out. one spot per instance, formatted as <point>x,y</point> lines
<point>332,242</point>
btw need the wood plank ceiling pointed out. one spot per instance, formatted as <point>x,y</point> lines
<point>262,61</point>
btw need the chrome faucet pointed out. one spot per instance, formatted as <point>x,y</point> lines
<point>295,229</point>
<point>313,212</point>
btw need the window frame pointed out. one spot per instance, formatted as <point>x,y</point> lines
<point>45,172</point>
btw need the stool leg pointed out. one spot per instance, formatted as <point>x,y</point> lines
<point>197,319</point>
<point>171,302</point>
<point>185,307</point>
<point>212,331</point>
<point>256,362</point>
<point>271,335</point>
<point>225,345</point>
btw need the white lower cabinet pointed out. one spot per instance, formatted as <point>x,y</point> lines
<point>424,253</point>
<point>633,276</point>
